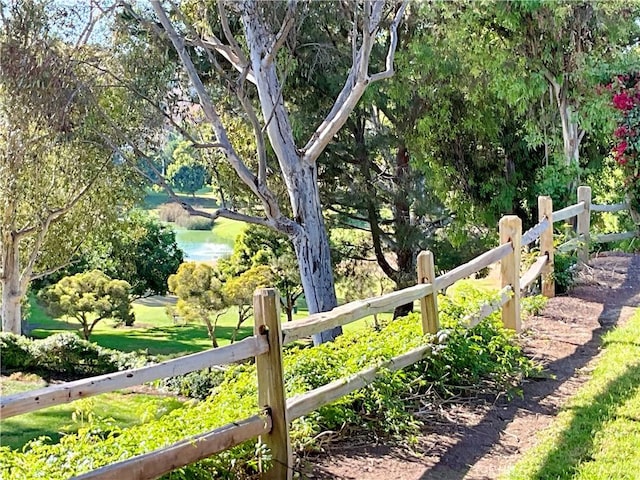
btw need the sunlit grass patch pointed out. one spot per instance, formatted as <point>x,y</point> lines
<point>597,434</point>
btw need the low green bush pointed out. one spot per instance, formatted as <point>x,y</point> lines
<point>63,354</point>
<point>564,271</point>
<point>483,358</point>
<point>196,223</point>
<point>198,385</point>
<point>15,352</point>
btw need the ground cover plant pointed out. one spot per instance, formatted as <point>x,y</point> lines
<point>483,357</point>
<point>597,434</point>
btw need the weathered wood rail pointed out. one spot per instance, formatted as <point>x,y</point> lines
<point>269,337</point>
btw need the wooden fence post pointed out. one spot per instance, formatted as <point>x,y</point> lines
<point>511,231</point>
<point>545,210</point>
<point>428,304</point>
<point>271,394</point>
<point>584,220</point>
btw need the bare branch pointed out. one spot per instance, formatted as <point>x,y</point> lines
<point>159,180</point>
<point>52,217</point>
<point>258,133</point>
<point>357,80</point>
<point>84,36</point>
<point>393,43</point>
<point>268,199</point>
<point>224,20</point>
<point>54,269</point>
<point>281,36</point>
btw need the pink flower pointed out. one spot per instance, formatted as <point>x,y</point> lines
<point>621,131</point>
<point>622,160</point>
<point>620,148</point>
<point>622,101</point>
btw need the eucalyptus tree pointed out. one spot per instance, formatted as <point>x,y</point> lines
<point>387,172</point>
<point>238,46</point>
<point>59,181</point>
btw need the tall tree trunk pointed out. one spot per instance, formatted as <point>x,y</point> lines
<point>312,248</point>
<point>571,132</point>
<point>571,136</point>
<point>405,255</point>
<point>12,291</point>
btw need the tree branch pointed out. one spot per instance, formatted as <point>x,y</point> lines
<point>281,36</point>
<point>357,80</point>
<point>272,210</point>
<point>160,180</point>
<point>55,215</point>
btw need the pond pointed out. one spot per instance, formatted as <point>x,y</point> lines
<point>202,245</point>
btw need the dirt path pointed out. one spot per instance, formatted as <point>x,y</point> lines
<point>478,440</point>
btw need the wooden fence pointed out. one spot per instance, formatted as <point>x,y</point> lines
<point>265,345</point>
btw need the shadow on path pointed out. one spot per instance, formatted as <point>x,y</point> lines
<point>475,442</point>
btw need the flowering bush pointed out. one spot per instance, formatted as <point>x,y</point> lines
<point>625,91</point>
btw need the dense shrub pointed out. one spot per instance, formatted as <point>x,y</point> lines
<point>197,385</point>
<point>171,212</point>
<point>174,213</point>
<point>564,271</point>
<point>63,354</point>
<point>15,352</point>
<point>483,358</point>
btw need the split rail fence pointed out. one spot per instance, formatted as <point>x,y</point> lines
<point>265,345</point>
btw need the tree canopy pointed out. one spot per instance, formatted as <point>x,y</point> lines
<point>89,298</point>
<point>59,180</point>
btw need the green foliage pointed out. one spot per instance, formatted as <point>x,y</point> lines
<point>533,305</point>
<point>200,295</point>
<point>15,352</point>
<point>139,250</point>
<point>63,355</point>
<point>198,384</point>
<point>89,298</point>
<point>564,271</point>
<point>185,173</point>
<point>258,246</point>
<point>484,357</point>
<point>556,180</point>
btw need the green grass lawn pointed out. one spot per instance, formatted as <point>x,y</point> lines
<point>204,198</point>
<point>155,332</point>
<point>597,435</point>
<point>123,409</point>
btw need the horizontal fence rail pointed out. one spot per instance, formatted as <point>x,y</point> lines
<point>474,266</point>
<point>614,237</point>
<point>66,392</point>
<point>568,212</point>
<point>534,233</point>
<point>269,337</point>
<point>616,207</point>
<point>351,312</point>
<point>488,308</point>
<point>534,272</point>
<point>159,462</point>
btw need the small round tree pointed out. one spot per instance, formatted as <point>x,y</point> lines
<point>89,297</point>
